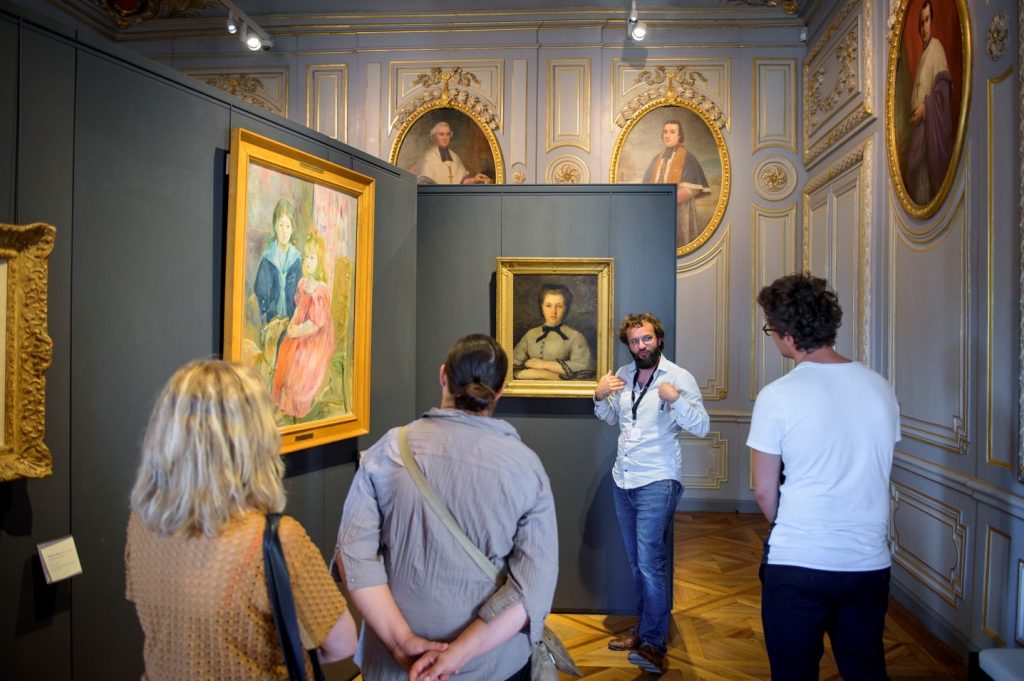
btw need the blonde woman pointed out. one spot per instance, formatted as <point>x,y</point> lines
<point>210,472</point>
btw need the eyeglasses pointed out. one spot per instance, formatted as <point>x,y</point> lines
<point>768,330</point>
<point>635,342</point>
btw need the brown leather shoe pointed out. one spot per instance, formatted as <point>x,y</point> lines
<point>648,658</point>
<point>628,641</point>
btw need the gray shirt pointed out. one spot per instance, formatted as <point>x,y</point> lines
<point>497,489</point>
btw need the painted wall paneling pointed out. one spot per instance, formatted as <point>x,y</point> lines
<point>774,253</point>
<point>774,104</point>
<point>327,99</point>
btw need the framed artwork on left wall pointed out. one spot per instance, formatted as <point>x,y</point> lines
<point>297,295</point>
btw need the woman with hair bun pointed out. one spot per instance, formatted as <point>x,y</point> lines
<point>429,610</point>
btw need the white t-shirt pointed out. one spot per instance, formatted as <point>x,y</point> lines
<point>834,426</point>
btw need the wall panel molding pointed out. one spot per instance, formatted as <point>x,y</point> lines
<point>932,380</point>
<point>1000,438</point>
<point>929,541</point>
<point>705,461</point>
<point>372,96</point>
<point>774,254</point>
<point>837,81</point>
<point>327,99</point>
<point>403,89</point>
<point>996,573</point>
<point>837,241</point>
<point>705,351</point>
<point>979,490</point>
<point>518,108</point>
<point>774,99</point>
<point>568,104</point>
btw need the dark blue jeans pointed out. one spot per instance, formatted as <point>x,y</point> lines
<point>799,605</point>
<point>645,515</point>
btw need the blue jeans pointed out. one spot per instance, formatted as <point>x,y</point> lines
<point>645,516</point>
<point>800,605</point>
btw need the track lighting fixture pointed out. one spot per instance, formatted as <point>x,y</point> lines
<point>635,29</point>
<point>247,30</point>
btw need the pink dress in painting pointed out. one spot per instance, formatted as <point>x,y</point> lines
<point>302,362</point>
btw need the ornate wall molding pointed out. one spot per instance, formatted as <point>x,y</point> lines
<point>127,14</point>
<point>837,81</point>
<point>326,99</point>
<point>929,540</point>
<point>996,578</point>
<point>265,88</point>
<point>709,455</point>
<point>671,83</point>
<point>773,255</point>
<point>706,350</point>
<point>836,225</point>
<point>995,41</point>
<point>774,98</point>
<point>568,104</point>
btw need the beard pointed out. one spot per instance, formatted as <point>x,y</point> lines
<point>651,360</point>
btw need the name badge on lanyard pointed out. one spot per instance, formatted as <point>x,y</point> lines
<point>632,433</point>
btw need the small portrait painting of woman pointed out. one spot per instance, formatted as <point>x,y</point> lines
<point>554,350</point>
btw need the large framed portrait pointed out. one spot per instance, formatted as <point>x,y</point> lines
<point>298,286</point>
<point>928,94</point>
<point>448,144</point>
<point>555,322</point>
<point>671,141</point>
<point>28,350</point>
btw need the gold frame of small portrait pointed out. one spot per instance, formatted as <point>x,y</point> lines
<point>415,116</point>
<point>913,208</point>
<point>603,270</point>
<point>723,155</point>
<point>25,250</point>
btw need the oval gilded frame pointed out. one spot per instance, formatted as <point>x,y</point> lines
<point>894,73</point>
<point>424,110</point>
<point>723,156</point>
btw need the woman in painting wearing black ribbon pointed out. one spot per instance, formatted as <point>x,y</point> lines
<point>553,351</point>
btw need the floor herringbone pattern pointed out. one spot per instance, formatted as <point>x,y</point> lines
<point>716,632</point>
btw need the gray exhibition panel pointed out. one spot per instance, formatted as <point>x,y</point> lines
<point>127,159</point>
<point>462,231</point>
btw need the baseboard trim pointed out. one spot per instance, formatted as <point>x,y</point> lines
<point>717,506</point>
<point>932,620</point>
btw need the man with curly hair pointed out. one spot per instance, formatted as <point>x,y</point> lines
<point>822,438</point>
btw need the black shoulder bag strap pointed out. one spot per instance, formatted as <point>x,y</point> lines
<point>279,590</point>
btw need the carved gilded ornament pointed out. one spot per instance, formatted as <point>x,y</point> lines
<point>819,103</point>
<point>568,170</point>
<point>775,178</point>
<point>998,29</point>
<point>448,94</point>
<point>518,177</point>
<point>671,83</point>
<point>244,86</point>
<point>128,13</point>
<point>958,54</point>
<point>25,250</point>
<point>788,6</point>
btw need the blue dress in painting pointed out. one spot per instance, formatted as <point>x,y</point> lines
<point>276,280</point>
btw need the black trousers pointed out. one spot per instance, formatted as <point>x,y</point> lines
<point>800,605</point>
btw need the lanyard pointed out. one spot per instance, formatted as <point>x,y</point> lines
<point>632,393</point>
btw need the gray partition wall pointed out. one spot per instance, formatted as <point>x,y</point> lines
<point>461,232</point>
<point>127,159</point>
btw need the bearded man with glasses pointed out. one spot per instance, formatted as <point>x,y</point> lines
<point>663,400</point>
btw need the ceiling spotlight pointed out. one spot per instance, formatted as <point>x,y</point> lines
<point>253,42</point>
<point>635,29</point>
<point>232,23</point>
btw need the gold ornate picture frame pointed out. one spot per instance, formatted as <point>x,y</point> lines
<point>925,122</point>
<point>475,154</point>
<point>554,320</point>
<point>643,154</point>
<point>24,254</point>
<point>298,288</point>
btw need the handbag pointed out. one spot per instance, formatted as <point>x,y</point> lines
<point>279,591</point>
<point>549,656</point>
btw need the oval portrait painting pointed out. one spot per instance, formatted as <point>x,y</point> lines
<point>928,92</point>
<point>674,144</point>
<point>448,146</point>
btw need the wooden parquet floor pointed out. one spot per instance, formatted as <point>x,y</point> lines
<point>716,634</point>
